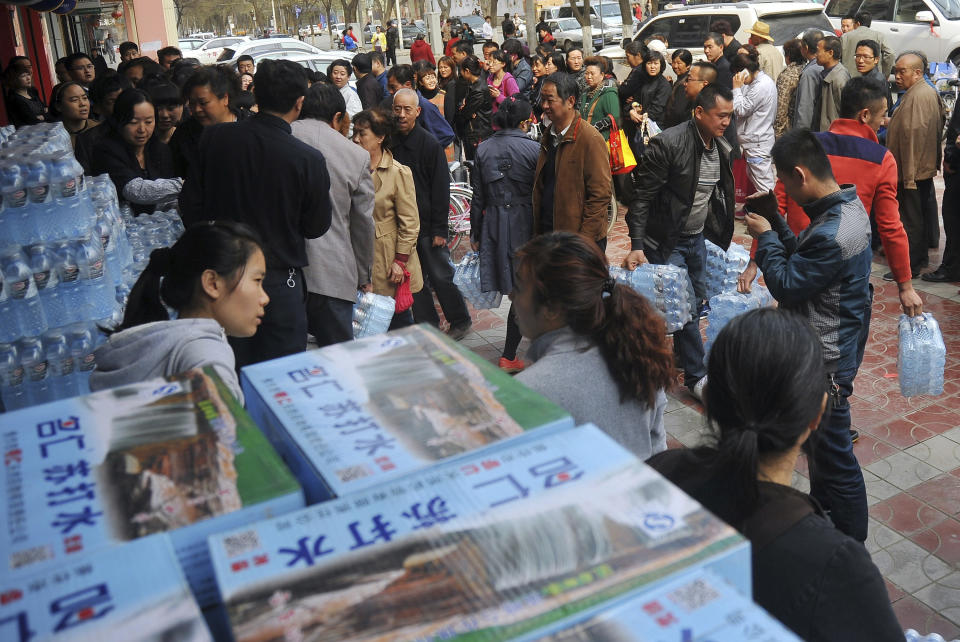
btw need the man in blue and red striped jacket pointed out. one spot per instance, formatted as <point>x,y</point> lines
<point>856,157</point>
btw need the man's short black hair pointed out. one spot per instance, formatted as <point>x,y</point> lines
<point>403,74</point>
<point>722,27</point>
<point>832,44</point>
<point>278,84</point>
<point>864,18</point>
<point>376,56</point>
<point>73,58</point>
<point>361,62</point>
<point>873,44</point>
<point>707,69</point>
<point>810,38</point>
<point>107,84</point>
<point>464,46</point>
<point>168,51</point>
<point>244,58</point>
<point>127,46</point>
<point>800,148</point>
<point>715,37</point>
<point>566,85</point>
<point>861,93</point>
<point>707,99</point>
<point>490,45</point>
<point>509,29</point>
<point>849,16</point>
<point>322,102</point>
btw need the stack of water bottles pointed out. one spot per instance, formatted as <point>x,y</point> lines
<point>665,286</point>
<point>730,303</point>
<point>724,268</point>
<point>921,356</point>
<point>911,635</point>
<point>63,251</point>
<point>372,314</point>
<point>466,276</point>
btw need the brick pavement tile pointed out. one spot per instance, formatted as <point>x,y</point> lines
<point>935,417</point>
<point>914,614</point>
<point>877,489</point>
<point>906,514</point>
<point>943,540</point>
<point>902,470</point>
<point>942,492</point>
<point>673,443</point>
<point>880,536</point>
<point>894,591</point>
<point>943,596</point>
<point>909,566</point>
<point>938,451</point>
<point>953,435</point>
<point>868,450</point>
<point>901,433</point>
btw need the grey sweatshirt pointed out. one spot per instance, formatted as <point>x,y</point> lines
<point>570,371</point>
<point>162,349</point>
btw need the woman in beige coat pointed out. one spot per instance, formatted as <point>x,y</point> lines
<point>395,215</point>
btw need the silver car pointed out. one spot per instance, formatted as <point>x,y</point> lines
<point>569,34</point>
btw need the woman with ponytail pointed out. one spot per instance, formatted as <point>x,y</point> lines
<point>213,279</point>
<point>600,349</point>
<point>764,400</point>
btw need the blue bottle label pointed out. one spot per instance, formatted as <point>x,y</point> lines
<point>19,289</point>
<point>38,372</point>
<point>71,273</point>
<point>38,193</point>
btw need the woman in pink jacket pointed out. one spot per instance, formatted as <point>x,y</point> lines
<point>500,81</point>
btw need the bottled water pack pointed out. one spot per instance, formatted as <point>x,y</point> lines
<point>665,286</point>
<point>727,305</point>
<point>921,356</point>
<point>372,314</point>
<point>911,635</point>
<point>466,276</point>
<point>724,268</point>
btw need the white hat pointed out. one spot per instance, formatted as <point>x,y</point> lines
<point>657,45</point>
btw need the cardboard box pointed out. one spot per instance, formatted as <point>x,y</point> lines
<point>177,456</point>
<point>357,414</point>
<point>495,545</point>
<point>132,592</point>
<point>694,607</point>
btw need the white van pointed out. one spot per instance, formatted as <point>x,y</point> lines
<point>930,26</point>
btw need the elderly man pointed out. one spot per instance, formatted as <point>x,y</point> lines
<point>862,31</point>
<point>416,148</point>
<point>808,88</point>
<point>835,76</point>
<point>771,60</point>
<point>913,137</point>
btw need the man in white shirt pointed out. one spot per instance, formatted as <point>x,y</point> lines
<point>487,30</point>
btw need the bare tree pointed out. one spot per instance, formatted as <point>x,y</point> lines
<point>582,14</point>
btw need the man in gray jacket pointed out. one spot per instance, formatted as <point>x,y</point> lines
<point>340,262</point>
<point>808,89</point>
<point>835,76</point>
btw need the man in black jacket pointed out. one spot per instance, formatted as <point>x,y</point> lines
<point>416,148</point>
<point>256,172</point>
<point>368,87</point>
<point>393,41</point>
<point>685,194</point>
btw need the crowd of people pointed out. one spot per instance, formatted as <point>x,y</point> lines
<point>302,189</point>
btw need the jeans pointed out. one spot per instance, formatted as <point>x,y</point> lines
<point>438,275</point>
<point>329,319</point>
<point>284,327</point>
<point>690,253</point>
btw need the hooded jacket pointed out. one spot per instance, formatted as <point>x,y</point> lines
<point>162,349</point>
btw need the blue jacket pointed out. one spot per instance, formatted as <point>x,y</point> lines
<point>433,121</point>
<point>824,273</point>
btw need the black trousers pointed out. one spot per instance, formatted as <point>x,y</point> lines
<point>329,319</point>
<point>914,205</point>
<point>951,225</point>
<point>438,276</point>
<point>391,55</point>
<point>284,327</point>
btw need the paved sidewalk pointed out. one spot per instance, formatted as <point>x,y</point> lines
<point>909,448</point>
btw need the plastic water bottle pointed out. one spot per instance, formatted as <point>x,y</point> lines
<point>33,358</point>
<point>48,223</point>
<point>21,290</point>
<point>9,329</point>
<point>372,314</point>
<point>665,286</point>
<point>66,181</point>
<point>911,635</point>
<point>80,340</point>
<point>71,291</point>
<point>98,292</point>
<point>62,378</point>
<point>106,230</point>
<point>12,389</point>
<point>466,276</point>
<point>43,264</point>
<point>20,226</point>
<point>921,356</point>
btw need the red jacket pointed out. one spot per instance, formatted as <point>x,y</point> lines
<point>420,50</point>
<point>857,158</point>
<point>448,50</point>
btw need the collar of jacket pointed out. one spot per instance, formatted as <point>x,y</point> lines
<point>263,118</point>
<point>386,160</point>
<point>570,136</point>
<point>565,340</point>
<point>850,127</point>
<point>845,194</point>
<point>722,143</point>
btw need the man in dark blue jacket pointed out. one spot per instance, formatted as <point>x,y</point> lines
<point>823,274</point>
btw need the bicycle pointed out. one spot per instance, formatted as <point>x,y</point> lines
<point>458,219</point>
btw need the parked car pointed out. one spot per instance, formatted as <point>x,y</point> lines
<point>189,44</point>
<point>569,33</point>
<point>687,27</point>
<point>930,26</point>
<point>410,33</point>
<point>209,52</point>
<point>313,61</point>
<point>280,46</point>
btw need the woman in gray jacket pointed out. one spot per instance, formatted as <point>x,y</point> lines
<point>601,350</point>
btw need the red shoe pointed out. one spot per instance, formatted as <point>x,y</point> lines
<point>511,366</point>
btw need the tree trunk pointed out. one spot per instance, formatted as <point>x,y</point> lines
<point>626,15</point>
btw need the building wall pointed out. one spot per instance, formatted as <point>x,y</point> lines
<point>156,24</point>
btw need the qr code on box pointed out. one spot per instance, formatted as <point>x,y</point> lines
<point>241,543</point>
<point>19,559</point>
<point>352,473</point>
<point>694,595</point>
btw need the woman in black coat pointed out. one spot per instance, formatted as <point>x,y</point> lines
<point>655,89</point>
<point>139,165</point>
<point>474,117</point>
<point>678,107</point>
